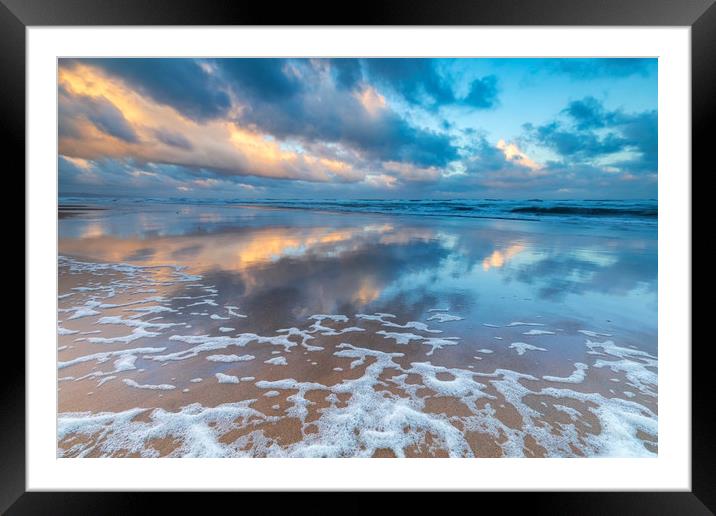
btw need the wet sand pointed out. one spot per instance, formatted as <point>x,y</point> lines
<point>207,331</point>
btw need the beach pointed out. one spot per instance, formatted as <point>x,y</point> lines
<point>313,329</point>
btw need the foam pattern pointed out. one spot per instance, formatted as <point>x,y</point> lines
<point>392,386</point>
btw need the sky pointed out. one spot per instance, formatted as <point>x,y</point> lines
<point>358,128</point>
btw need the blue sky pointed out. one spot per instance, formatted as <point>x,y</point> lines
<point>358,128</point>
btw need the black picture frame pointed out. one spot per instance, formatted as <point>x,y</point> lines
<point>700,15</point>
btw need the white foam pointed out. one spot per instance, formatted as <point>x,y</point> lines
<point>305,337</point>
<point>522,347</point>
<point>232,311</point>
<point>209,302</point>
<point>400,338</point>
<point>230,358</point>
<point>125,363</point>
<point>439,343</point>
<point>206,343</point>
<point>590,333</point>
<point>635,364</point>
<point>276,361</point>
<point>105,380</point>
<point>378,316</point>
<point>442,317</point>
<point>226,378</point>
<point>196,429</point>
<point>377,410</point>
<point>80,312</point>
<point>416,325</point>
<point>103,357</point>
<point>538,332</point>
<point>577,376</point>
<point>334,318</point>
<point>64,331</point>
<point>153,387</point>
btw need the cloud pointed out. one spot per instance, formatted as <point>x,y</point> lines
<point>173,138</point>
<point>316,109</point>
<point>587,113</point>
<point>332,127</point>
<point>515,155</point>
<point>101,113</point>
<point>299,100</point>
<point>183,84</point>
<point>483,93</point>
<point>574,144</point>
<point>264,79</point>
<point>157,133</point>
<point>421,83</point>
<point>587,132</point>
<point>417,80</point>
<point>347,72</point>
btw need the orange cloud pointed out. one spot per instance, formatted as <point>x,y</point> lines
<point>372,101</point>
<point>217,144</point>
<point>514,154</point>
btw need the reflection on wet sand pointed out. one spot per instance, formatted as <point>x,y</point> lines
<point>271,333</point>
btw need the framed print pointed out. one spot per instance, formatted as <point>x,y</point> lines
<point>445,248</point>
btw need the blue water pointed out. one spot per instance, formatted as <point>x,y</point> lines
<point>643,211</point>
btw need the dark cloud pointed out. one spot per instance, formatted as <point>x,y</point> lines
<point>575,144</point>
<point>67,115</point>
<point>347,72</point>
<point>180,83</point>
<point>309,111</point>
<point>265,79</point>
<point>588,131</point>
<point>483,93</point>
<point>587,113</point>
<point>68,171</point>
<point>419,82</point>
<point>172,138</point>
<point>106,117</point>
<point>485,157</point>
<point>288,99</point>
<point>641,130</point>
<point>354,111</point>
<point>416,80</point>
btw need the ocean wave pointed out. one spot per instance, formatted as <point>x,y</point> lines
<point>588,210</point>
<point>642,211</point>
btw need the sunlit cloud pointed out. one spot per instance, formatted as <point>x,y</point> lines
<point>515,155</point>
<point>349,127</point>
<point>371,100</point>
